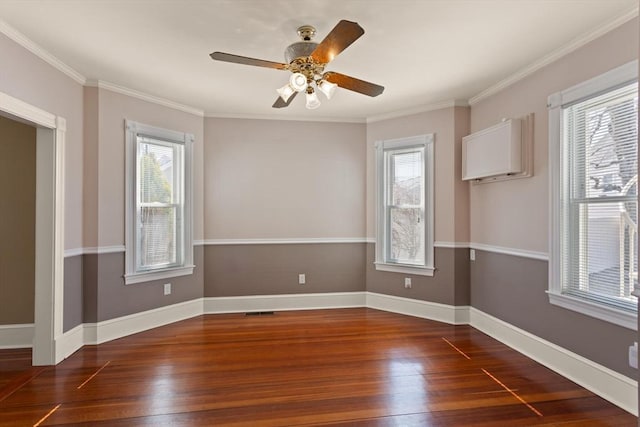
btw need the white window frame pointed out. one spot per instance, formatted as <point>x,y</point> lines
<point>613,79</point>
<point>132,275</point>
<point>382,262</point>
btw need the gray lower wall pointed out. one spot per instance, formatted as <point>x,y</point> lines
<point>105,296</point>
<point>513,289</point>
<point>449,284</point>
<point>73,305</point>
<point>241,270</point>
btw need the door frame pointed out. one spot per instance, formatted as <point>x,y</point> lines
<point>49,256</point>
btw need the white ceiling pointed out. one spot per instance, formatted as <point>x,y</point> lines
<point>423,51</point>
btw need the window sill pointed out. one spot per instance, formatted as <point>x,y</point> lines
<point>611,315</point>
<point>132,278</point>
<point>404,268</point>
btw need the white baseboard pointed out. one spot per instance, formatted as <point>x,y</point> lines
<point>606,383</point>
<point>98,333</point>
<point>455,315</point>
<point>217,305</point>
<point>16,336</point>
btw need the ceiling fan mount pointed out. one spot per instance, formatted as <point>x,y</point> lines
<point>306,60</point>
<point>306,32</point>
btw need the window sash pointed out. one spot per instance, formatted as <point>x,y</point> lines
<point>152,253</point>
<point>593,228</point>
<point>401,246</point>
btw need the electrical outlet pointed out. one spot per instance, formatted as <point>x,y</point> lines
<point>167,288</point>
<point>472,254</point>
<point>633,355</point>
<point>407,282</point>
<point>302,279</point>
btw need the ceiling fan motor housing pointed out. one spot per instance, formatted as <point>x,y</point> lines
<point>299,49</point>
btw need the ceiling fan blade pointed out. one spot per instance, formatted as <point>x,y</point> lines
<point>281,104</point>
<point>237,59</point>
<point>340,38</point>
<point>356,85</point>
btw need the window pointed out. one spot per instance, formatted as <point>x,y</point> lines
<point>158,206</point>
<point>593,136</point>
<point>405,205</point>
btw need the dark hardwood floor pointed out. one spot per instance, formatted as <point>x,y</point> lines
<point>355,367</point>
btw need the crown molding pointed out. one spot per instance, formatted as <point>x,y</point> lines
<point>38,51</point>
<point>144,96</point>
<point>284,118</point>
<point>573,45</point>
<point>418,110</point>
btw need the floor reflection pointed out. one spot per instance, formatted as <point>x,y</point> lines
<point>407,386</point>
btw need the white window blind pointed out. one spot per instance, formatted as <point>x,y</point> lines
<point>599,210</point>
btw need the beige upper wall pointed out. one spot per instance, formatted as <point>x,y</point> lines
<point>106,158</point>
<point>30,79</point>
<point>267,179</point>
<point>461,203</point>
<point>514,214</point>
<point>451,193</point>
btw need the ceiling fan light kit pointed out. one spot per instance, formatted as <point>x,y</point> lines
<point>327,88</point>
<point>312,99</point>
<point>298,82</point>
<point>285,92</point>
<point>306,61</point>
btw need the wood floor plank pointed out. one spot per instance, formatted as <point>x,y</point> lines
<point>316,367</point>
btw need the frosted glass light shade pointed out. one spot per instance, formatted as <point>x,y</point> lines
<point>312,100</point>
<point>298,82</point>
<point>285,92</point>
<point>327,88</point>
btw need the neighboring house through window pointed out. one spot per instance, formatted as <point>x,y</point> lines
<point>404,240</point>
<point>158,203</point>
<point>593,144</point>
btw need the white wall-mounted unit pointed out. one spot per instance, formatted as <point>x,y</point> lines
<point>495,151</point>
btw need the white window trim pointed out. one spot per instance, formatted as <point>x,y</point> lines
<point>620,76</point>
<point>428,268</point>
<point>132,130</point>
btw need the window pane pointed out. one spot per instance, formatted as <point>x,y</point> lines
<point>611,154</point>
<point>159,204</point>
<point>156,173</point>
<point>604,139</point>
<point>406,235</point>
<point>406,180</point>
<point>157,236</point>
<point>606,267</point>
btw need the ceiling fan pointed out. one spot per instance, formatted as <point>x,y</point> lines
<point>306,61</point>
